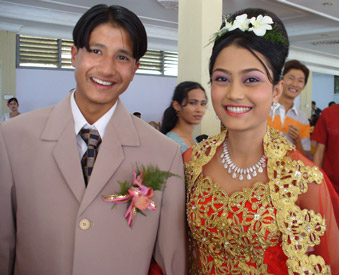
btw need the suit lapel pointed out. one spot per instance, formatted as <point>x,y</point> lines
<point>60,128</point>
<point>120,132</point>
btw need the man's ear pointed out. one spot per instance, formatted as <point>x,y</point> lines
<point>136,67</point>
<point>74,52</point>
<point>277,90</point>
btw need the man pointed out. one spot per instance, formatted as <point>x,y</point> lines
<point>288,119</point>
<point>137,114</point>
<point>326,134</point>
<point>53,217</point>
<point>315,110</point>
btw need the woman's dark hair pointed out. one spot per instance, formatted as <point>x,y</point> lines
<point>12,99</point>
<point>116,15</point>
<point>274,51</point>
<point>170,118</point>
<point>297,65</point>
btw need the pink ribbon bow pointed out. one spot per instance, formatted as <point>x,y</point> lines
<point>140,195</point>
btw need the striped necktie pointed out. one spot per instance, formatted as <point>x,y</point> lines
<point>93,140</point>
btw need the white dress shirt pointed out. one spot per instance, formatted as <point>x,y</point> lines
<point>80,122</point>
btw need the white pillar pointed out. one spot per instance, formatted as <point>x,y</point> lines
<point>198,20</point>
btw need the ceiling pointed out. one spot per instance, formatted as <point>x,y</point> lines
<point>312,25</point>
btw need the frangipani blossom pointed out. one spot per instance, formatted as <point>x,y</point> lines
<point>261,24</point>
<point>227,26</point>
<point>241,22</point>
<point>258,25</point>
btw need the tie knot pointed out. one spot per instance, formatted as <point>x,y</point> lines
<point>90,136</point>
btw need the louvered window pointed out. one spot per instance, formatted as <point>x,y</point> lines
<point>56,53</point>
<point>151,63</point>
<point>38,52</point>
<point>66,46</point>
<point>336,84</point>
<point>171,63</point>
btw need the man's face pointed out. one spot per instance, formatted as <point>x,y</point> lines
<point>105,72</point>
<point>294,83</point>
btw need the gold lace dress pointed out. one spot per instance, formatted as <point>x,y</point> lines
<point>259,230</point>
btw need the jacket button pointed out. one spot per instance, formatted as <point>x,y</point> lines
<point>84,224</point>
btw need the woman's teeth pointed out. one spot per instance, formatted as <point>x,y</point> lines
<point>238,110</point>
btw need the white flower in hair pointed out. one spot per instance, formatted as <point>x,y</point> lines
<point>227,26</point>
<point>261,24</point>
<point>241,22</point>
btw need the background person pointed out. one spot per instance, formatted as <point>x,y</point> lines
<point>186,110</point>
<point>252,198</point>
<point>315,110</point>
<point>13,105</point>
<point>287,118</point>
<point>326,134</point>
<point>53,217</point>
<point>331,103</point>
<point>137,114</point>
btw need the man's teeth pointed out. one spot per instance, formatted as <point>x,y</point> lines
<point>101,82</point>
<point>238,110</point>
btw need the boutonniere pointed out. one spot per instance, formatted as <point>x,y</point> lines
<point>138,194</point>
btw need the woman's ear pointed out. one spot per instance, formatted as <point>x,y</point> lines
<point>277,90</point>
<point>176,105</point>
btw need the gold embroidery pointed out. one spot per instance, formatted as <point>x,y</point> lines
<point>233,232</point>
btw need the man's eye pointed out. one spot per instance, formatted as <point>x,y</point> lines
<point>96,51</point>
<point>121,57</point>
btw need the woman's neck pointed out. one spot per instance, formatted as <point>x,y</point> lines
<point>183,129</point>
<point>245,147</point>
<point>13,113</point>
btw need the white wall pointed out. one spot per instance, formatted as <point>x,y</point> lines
<point>322,89</point>
<point>149,95</point>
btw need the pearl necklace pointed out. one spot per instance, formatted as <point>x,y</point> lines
<point>228,163</point>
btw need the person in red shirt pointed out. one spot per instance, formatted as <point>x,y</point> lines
<point>326,134</point>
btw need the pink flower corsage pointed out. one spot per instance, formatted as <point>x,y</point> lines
<point>138,196</point>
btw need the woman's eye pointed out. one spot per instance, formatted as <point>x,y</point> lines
<point>220,79</point>
<point>251,79</point>
<point>192,102</point>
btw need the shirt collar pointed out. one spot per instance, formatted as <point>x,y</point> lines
<point>80,121</point>
<point>294,108</point>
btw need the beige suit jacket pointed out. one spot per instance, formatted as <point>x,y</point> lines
<point>51,224</point>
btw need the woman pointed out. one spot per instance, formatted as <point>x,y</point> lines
<point>187,108</point>
<point>13,105</point>
<point>255,205</point>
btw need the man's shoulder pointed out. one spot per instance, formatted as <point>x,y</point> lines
<point>147,133</point>
<point>29,119</point>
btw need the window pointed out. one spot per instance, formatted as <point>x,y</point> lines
<point>336,84</point>
<point>37,52</point>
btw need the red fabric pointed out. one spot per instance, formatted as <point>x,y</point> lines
<point>274,256</point>
<point>326,132</point>
<point>324,200</point>
<point>154,268</point>
<point>275,259</point>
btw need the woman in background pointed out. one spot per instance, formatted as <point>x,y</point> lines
<point>186,110</point>
<point>13,105</point>
<point>255,204</point>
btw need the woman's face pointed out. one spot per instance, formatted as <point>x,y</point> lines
<point>241,91</point>
<point>13,106</point>
<point>193,108</point>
